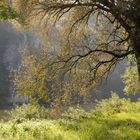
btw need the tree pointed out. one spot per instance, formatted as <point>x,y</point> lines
<point>30,77</point>
<point>6,11</point>
<point>94,35</point>
<point>131,78</point>
<point>121,14</point>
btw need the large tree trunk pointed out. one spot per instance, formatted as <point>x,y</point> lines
<point>135,36</point>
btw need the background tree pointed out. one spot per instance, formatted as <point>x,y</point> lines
<point>131,78</point>
<point>30,77</point>
<point>6,11</point>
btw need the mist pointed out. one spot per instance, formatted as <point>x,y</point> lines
<point>10,43</point>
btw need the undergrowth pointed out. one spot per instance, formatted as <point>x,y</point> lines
<point>111,119</point>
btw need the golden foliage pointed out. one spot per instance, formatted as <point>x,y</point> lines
<point>30,77</point>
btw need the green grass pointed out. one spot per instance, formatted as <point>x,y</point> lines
<point>111,119</point>
<point>121,126</point>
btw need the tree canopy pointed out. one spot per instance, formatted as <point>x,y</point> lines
<point>121,15</point>
<point>6,11</point>
<point>94,35</point>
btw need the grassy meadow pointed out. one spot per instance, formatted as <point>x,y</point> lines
<point>112,119</point>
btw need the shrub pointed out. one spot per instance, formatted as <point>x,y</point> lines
<point>29,111</point>
<point>75,113</point>
<point>117,105</point>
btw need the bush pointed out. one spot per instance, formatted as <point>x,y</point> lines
<point>117,105</point>
<point>76,113</point>
<point>29,111</point>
